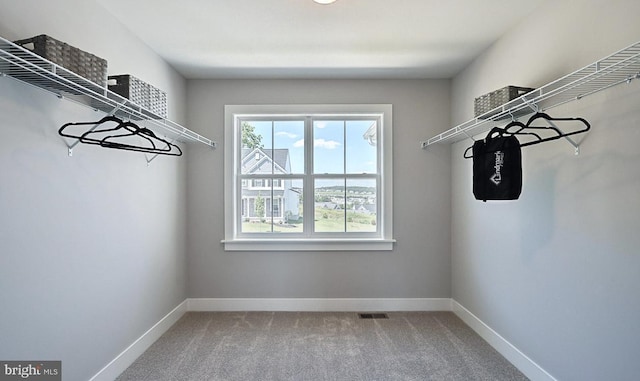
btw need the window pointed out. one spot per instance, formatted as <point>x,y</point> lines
<point>308,177</point>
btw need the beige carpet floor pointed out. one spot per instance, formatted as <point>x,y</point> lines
<point>320,346</point>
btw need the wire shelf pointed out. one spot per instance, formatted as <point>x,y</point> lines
<point>620,67</point>
<point>27,67</point>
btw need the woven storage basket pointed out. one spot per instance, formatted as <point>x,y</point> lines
<point>140,93</point>
<point>488,102</point>
<point>71,58</point>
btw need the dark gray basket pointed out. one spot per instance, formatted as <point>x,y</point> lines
<point>140,93</point>
<point>488,102</point>
<point>71,58</point>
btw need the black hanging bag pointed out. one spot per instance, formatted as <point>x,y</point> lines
<point>497,167</point>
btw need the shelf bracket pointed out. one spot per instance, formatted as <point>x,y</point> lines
<point>576,146</point>
<point>149,160</point>
<point>75,143</point>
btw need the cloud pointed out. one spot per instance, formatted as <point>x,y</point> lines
<point>328,144</point>
<point>287,134</point>
<point>320,143</point>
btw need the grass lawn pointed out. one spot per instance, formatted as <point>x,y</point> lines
<point>325,221</point>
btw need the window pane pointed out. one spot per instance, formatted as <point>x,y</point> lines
<point>361,151</point>
<point>362,198</point>
<point>329,196</point>
<point>271,147</point>
<point>256,206</point>
<point>256,147</point>
<point>289,146</point>
<point>328,146</point>
<point>287,207</point>
<point>272,206</point>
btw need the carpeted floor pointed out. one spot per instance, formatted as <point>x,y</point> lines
<point>320,346</point>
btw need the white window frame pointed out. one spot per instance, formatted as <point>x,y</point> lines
<point>235,241</point>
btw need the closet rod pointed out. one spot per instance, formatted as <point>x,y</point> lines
<point>620,67</point>
<point>29,68</point>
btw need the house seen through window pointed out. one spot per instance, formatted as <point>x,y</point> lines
<point>308,175</point>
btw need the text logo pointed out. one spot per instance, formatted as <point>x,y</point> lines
<point>497,176</point>
<point>31,370</point>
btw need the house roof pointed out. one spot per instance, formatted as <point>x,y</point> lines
<point>371,134</point>
<point>253,157</point>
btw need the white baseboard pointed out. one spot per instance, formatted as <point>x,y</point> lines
<point>527,366</point>
<point>505,348</point>
<point>319,304</point>
<point>129,355</point>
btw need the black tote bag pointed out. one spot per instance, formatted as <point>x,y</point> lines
<point>497,168</point>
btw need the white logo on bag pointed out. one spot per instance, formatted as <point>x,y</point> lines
<point>497,177</point>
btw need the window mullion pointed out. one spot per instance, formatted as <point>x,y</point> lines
<point>344,171</point>
<point>273,169</point>
<point>237,171</point>
<point>273,147</point>
<point>380,184</point>
<point>308,181</point>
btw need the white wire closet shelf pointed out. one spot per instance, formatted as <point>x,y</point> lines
<point>28,67</point>
<point>618,68</point>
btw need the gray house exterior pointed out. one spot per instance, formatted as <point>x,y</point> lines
<point>278,197</point>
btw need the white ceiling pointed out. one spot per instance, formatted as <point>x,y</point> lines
<point>302,39</point>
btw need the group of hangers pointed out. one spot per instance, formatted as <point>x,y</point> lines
<point>113,132</point>
<point>533,133</point>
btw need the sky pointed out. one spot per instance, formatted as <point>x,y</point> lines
<point>332,140</point>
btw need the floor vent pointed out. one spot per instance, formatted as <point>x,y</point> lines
<point>373,316</point>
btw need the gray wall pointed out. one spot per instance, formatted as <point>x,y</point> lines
<point>556,272</point>
<point>418,267</point>
<point>92,246</point>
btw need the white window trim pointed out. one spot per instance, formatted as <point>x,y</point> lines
<point>385,242</point>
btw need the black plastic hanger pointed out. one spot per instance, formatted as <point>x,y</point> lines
<point>154,144</point>
<point>517,128</point>
<point>110,141</point>
<point>106,119</point>
<point>496,132</point>
<point>558,134</point>
<point>157,144</point>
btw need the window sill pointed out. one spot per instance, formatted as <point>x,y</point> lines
<point>309,245</point>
